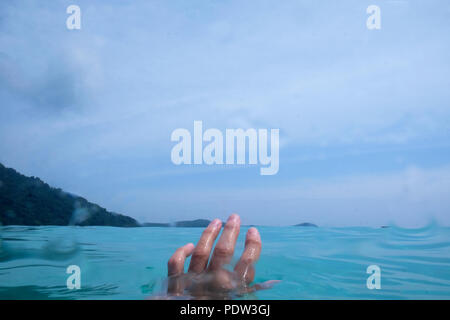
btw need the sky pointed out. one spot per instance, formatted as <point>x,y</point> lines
<point>364,115</point>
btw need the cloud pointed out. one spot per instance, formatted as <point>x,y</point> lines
<point>411,198</point>
<point>104,100</point>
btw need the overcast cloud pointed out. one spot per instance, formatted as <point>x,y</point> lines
<point>364,115</point>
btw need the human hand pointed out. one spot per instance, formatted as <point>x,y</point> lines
<point>213,280</point>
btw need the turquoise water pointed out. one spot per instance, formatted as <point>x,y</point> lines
<point>312,263</point>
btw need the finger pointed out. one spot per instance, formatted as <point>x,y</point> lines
<point>224,249</point>
<point>244,269</point>
<point>175,268</point>
<point>202,250</point>
<point>175,265</point>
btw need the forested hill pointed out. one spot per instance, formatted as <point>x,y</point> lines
<point>30,201</point>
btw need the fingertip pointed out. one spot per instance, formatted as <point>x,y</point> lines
<point>234,218</point>
<point>189,248</point>
<point>254,234</point>
<point>216,223</point>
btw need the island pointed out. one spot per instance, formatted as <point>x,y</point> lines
<point>198,223</point>
<point>30,201</point>
<point>306,224</point>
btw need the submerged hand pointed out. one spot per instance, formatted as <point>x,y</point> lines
<point>212,280</point>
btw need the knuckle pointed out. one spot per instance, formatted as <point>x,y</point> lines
<point>230,226</point>
<point>201,253</point>
<point>253,243</point>
<point>175,261</point>
<point>171,263</point>
<point>248,260</point>
<point>208,232</point>
<point>223,251</point>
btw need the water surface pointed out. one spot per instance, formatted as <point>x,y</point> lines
<point>313,263</point>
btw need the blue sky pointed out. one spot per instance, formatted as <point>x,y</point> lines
<point>363,114</point>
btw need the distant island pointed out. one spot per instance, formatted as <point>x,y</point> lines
<point>202,223</point>
<point>306,224</point>
<point>30,201</point>
<point>199,223</point>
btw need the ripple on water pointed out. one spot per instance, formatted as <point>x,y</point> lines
<point>313,263</point>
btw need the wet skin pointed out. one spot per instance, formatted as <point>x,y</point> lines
<point>212,280</point>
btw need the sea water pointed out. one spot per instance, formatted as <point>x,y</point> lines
<point>312,263</point>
